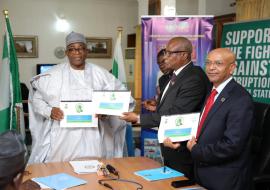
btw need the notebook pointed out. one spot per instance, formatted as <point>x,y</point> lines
<point>60,181</point>
<point>158,174</point>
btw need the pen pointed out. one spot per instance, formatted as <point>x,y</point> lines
<point>164,167</point>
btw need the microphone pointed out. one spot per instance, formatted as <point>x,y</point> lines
<point>105,184</point>
<point>112,169</point>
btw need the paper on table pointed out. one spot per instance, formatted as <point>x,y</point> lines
<point>78,114</point>
<point>60,181</point>
<point>111,102</point>
<point>88,166</point>
<point>158,174</point>
<point>178,127</point>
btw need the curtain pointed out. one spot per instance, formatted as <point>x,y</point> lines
<point>252,9</point>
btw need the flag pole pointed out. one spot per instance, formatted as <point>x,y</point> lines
<point>18,111</point>
<point>120,30</point>
<point>5,13</point>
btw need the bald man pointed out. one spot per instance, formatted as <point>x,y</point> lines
<point>221,151</point>
<point>184,93</point>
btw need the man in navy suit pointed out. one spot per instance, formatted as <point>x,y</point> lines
<point>184,93</point>
<point>221,152</point>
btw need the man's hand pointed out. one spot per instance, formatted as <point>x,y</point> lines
<point>168,143</point>
<point>150,105</point>
<point>57,114</point>
<point>191,143</point>
<point>130,117</point>
<point>29,185</point>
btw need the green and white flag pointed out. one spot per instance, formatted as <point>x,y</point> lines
<point>10,91</point>
<point>118,68</point>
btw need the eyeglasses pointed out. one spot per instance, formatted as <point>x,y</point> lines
<point>169,53</point>
<point>75,50</point>
<point>217,63</point>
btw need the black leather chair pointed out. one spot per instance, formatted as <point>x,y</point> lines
<point>261,147</point>
<point>25,92</point>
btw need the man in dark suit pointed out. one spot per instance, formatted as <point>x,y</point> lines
<point>221,151</point>
<point>184,93</point>
<point>151,104</point>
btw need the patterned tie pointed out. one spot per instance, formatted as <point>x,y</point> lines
<point>208,105</point>
<point>173,79</point>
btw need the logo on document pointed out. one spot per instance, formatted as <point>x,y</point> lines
<point>112,98</point>
<point>178,121</point>
<point>79,108</point>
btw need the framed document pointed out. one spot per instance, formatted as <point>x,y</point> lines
<point>78,114</point>
<point>178,127</point>
<point>111,102</point>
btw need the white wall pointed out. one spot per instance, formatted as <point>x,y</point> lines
<point>219,7</point>
<point>142,9</point>
<point>94,18</point>
<point>210,7</point>
<point>186,7</point>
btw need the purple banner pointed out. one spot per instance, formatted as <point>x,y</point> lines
<point>157,31</point>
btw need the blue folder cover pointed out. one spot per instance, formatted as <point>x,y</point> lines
<point>60,181</point>
<point>158,174</point>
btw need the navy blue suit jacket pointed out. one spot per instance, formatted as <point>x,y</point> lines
<point>222,153</point>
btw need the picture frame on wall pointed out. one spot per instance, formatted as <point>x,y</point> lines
<point>99,47</point>
<point>26,46</point>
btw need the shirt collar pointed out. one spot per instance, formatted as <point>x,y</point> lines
<point>181,68</point>
<point>222,85</point>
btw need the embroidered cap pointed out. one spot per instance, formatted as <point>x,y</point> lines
<point>12,156</point>
<point>75,37</point>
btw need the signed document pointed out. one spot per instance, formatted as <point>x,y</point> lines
<point>111,102</point>
<point>78,114</point>
<point>178,127</point>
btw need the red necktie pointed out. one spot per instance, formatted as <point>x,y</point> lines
<point>208,105</point>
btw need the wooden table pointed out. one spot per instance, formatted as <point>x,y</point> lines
<point>126,167</point>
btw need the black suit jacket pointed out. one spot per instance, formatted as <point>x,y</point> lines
<point>185,96</point>
<point>163,81</point>
<point>222,152</point>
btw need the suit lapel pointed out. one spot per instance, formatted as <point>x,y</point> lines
<point>223,97</point>
<point>164,82</point>
<point>177,82</point>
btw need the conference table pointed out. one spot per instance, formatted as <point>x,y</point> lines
<point>126,167</point>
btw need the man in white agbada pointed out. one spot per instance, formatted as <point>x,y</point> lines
<point>75,80</point>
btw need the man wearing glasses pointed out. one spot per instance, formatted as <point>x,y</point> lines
<point>184,93</point>
<point>163,77</point>
<point>221,149</point>
<point>73,81</point>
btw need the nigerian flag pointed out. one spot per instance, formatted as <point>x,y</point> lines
<point>10,91</point>
<point>118,68</point>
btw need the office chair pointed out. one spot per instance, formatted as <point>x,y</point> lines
<point>261,147</point>
<point>25,92</point>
